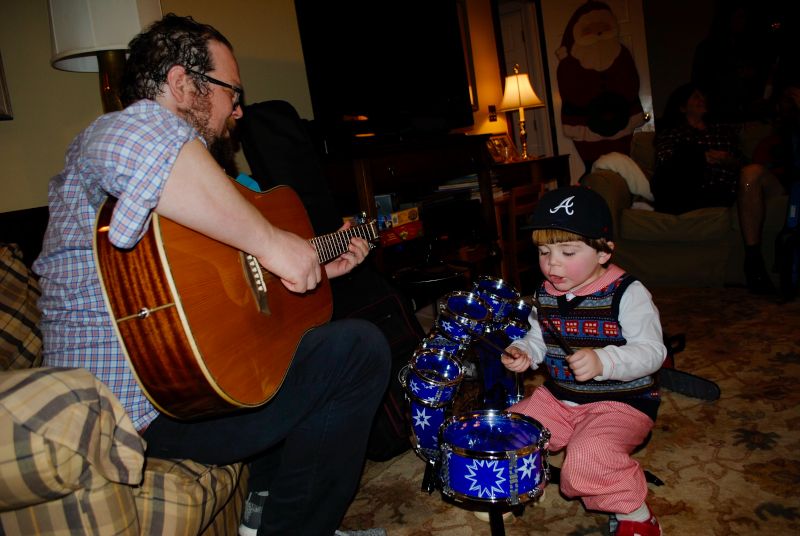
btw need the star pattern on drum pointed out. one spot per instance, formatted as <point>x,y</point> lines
<point>421,419</point>
<point>414,387</point>
<point>486,478</point>
<point>448,327</point>
<point>528,466</point>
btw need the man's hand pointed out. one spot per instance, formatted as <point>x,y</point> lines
<point>585,364</point>
<point>355,255</point>
<point>294,260</point>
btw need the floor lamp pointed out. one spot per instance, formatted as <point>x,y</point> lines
<point>518,95</point>
<point>92,36</point>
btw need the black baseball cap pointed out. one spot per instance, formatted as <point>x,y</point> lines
<point>576,209</point>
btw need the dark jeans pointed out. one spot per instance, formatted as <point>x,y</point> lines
<point>307,444</point>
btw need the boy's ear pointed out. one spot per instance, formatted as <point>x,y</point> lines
<point>604,256</point>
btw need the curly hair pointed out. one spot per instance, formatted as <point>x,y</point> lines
<point>173,40</point>
<point>543,237</point>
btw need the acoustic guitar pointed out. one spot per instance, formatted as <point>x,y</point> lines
<point>204,327</point>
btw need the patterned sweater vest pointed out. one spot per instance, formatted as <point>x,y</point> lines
<point>590,322</point>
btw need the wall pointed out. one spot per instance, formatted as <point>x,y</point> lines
<point>670,58</point>
<point>51,106</point>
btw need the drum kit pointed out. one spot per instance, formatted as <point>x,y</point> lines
<point>489,457</point>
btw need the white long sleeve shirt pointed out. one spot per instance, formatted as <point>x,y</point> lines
<point>640,324</point>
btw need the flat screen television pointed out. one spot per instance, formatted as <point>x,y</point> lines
<point>383,71</point>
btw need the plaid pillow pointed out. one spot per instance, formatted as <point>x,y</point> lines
<point>182,497</point>
<point>69,457</point>
<point>20,338</point>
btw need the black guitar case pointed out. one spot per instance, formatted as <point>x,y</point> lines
<point>280,149</point>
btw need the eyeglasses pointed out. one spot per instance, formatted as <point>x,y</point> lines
<point>238,92</point>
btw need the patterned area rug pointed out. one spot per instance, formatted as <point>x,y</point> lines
<point>729,467</point>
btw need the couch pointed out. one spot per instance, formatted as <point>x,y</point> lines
<point>701,248</point>
<point>70,460</point>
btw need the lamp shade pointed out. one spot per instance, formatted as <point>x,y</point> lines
<point>79,29</point>
<point>519,94</point>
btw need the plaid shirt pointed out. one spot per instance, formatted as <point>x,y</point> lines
<point>128,155</point>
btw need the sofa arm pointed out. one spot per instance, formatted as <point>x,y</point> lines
<point>614,190</point>
<point>66,431</point>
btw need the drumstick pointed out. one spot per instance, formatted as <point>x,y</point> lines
<point>549,325</point>
<point>491,343</point>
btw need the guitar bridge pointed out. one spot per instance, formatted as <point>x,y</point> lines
<point>254,275</point>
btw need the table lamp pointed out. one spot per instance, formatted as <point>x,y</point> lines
<point>92,36</point>
<point>518,95</point>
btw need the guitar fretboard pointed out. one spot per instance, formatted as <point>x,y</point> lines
<point>331,245</point>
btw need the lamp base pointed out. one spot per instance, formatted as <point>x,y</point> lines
<point>523,139</point>
<point>111,65</point>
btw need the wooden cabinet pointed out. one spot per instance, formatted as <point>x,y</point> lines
<point>536,171</point>
<point>412,173</point>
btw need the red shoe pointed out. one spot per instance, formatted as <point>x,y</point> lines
<point>638,528</point>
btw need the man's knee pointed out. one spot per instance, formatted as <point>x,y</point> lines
<point>367,343</point>
<point>752,175</point>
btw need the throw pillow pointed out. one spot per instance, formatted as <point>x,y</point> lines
<point>21,340</point>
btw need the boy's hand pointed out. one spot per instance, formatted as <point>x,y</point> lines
<point>585,364</point>
<point>520,362</point>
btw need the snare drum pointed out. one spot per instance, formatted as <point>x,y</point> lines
<point>462,315</point>
<point>498,294</point>
<point>493,457</point>
<point>433,377</point>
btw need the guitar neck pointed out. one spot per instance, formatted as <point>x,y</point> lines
<point>331,245</point>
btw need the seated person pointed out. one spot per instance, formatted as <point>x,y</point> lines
<point>699,164</point>
<point>183,91</point>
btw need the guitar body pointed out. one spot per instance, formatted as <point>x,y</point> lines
<point>188,318</point>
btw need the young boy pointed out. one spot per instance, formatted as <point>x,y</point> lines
<point>598,333</point>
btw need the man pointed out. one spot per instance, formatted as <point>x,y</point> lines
<point>183,92</point>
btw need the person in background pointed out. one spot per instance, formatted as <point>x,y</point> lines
<point>599,335</point>
<point>699,164</point>
<point>183,92</point>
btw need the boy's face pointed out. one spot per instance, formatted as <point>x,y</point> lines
<point>571,265</point>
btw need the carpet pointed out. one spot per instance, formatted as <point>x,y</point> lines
<point>729,467</point>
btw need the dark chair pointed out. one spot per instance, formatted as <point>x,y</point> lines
<point>519,257</point>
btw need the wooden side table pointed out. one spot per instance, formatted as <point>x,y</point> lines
<point>523,182</point>
<point>536,171</point>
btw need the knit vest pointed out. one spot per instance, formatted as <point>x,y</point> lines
<point>590,321</point>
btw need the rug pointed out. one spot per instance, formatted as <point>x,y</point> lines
<point>729,467</point>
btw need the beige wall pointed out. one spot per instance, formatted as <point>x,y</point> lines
<point>51,106</point>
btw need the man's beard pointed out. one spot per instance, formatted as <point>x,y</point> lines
<point>221,146</point>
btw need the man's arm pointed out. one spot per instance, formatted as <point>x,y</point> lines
<point>200,196</point>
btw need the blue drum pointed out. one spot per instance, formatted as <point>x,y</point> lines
<point>436,341</point>
<point>514,329</point>
<point>520,310</point>
<point>433,377</point>
<point>498,294</point>
<point>493,457</point>
<point>462,315</point>
<point>425,424</point>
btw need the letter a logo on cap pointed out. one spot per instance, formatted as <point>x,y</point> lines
<point>566,204</point>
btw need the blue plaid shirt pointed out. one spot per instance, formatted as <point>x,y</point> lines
<point>128,155</point>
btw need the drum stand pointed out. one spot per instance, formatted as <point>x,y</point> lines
<point>430,479</point>
<point>496,524</point>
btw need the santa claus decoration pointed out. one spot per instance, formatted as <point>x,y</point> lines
<point>598,83</point>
